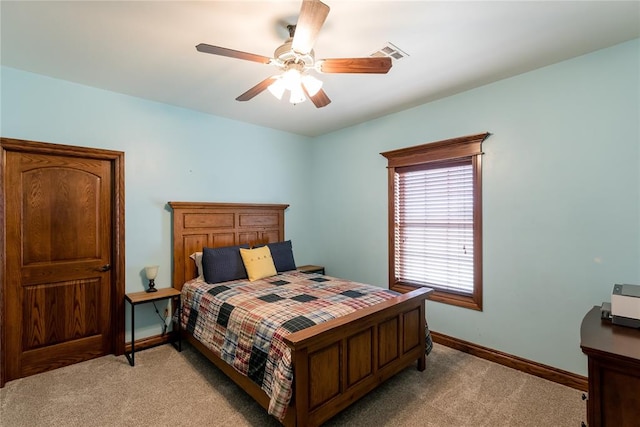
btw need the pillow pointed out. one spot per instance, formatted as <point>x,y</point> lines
<point>282,255</point>
<point>223,264</point>
<point>258,263</point>
<point>197,258</point>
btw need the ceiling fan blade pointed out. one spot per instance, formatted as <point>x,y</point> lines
<point>223,51</point>
<point>312,15</point>
<point>257,89</point>
<point>320,99</point>
<point>370,65</point>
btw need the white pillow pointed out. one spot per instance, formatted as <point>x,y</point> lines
<point>197,257</point>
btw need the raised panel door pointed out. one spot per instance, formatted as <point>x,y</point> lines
<point>58,261</point>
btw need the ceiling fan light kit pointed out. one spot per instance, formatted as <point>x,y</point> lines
<point>295,57</point>
<point>293,80</point>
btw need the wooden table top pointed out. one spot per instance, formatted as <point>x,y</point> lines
<point>140,297</point>
<point>601,336</point>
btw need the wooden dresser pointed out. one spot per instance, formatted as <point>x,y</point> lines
<point>614,371</point>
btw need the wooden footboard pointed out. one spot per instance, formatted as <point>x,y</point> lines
<point>338,362</point>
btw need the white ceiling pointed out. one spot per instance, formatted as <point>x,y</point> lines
<point>147,49</point>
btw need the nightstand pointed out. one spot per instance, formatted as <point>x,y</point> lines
<point>145,297</point>
<point>311,269</point>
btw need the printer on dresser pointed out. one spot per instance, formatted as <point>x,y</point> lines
<point>625,305</point>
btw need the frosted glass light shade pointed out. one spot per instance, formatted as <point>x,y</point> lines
<point>311,84</point>
<point>277,88</point>
<point>291,78</point>
<point>297,95</point>
<point>151,272</point>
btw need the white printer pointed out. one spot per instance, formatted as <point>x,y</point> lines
<point>625,305</point>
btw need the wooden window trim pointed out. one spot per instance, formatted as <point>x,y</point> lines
<point>467,146</point>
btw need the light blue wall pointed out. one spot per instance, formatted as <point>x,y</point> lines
<point>171,154</point>
<point>561,199</point>
<point>561,187</point>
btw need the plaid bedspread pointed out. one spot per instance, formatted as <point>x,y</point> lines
<point>244,322</point>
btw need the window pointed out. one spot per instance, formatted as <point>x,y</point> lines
<point>435,219</point>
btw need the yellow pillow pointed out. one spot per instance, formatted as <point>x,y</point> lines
<point>258,263</point>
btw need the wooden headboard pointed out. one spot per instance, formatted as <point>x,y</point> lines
<point>196,225</point>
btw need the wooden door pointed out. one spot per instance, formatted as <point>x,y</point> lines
<point>59,287</point>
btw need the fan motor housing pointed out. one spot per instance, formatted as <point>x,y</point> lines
<point>286,54</point>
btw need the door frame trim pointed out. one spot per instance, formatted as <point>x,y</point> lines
<point>117,227</point>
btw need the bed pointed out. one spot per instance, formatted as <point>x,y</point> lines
<point>332,363</point>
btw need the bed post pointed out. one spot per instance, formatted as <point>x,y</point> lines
<point>301,377</point>
<point>422,360</point>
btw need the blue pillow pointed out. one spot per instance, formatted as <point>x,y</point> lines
<point>223,264</point>
<point>282,254</point>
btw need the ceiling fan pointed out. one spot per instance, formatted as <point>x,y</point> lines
<point>296,58</point>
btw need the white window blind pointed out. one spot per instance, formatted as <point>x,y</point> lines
<point>434,226</point>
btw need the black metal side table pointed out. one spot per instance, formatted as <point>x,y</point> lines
<point>145,297</point>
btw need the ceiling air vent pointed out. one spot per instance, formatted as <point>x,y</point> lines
<point>391,51</point>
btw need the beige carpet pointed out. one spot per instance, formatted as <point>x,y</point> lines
<point>167,388</point>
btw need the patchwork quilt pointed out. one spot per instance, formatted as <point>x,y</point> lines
<point>244,322</point>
